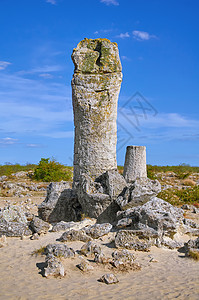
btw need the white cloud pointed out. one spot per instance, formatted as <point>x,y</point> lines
<point>45,75</point>
<point>8,141</point>
<point>123,35</point>
<point>34,107</point>
<point>110,2</point>
<point>51,1</point>
<point>123,57</point>
<point>4,64</point>
<point>34,146</point>
<point>43,69</point>
<point>142,35</point>
<point>103,31</point>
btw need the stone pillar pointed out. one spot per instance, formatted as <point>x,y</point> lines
<point>95,89</point>
<point>135,163</point>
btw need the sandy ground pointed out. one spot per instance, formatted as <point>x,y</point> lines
<point>172,276</point>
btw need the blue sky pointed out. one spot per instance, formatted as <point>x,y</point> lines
<point>159,100</point>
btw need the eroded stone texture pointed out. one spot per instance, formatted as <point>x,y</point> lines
<point>135,163</point>
<point>95,89</point>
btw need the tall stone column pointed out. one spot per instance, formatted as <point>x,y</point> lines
<point>95,89</point>
<point>135,163</point>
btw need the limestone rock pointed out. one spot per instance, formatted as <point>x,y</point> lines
<point>63,226</point>
<point>75,235</point>
<point>135,163</point>
<point>90,248</point>
<point>13,221</point>
<point>192,248</point>
<point>122,258</point>
<point>98,230</point>
<point>102,259</point>
<point>39,226</point>
<point>85,266</point>
<point>109,279</point>
<point>53,266</point>
<point>59,250</point>
<point>13,228</point>
<point>13,213</point>
<point>140,240</point>
<point>95,89</point>
<point>138,193</point>
<point>61,204</point>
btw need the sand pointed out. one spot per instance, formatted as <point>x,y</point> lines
<point>172,276</point>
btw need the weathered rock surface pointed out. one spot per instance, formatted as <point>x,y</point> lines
<point>75,235</point>
<point>109,279</point>
<point>61,204</point>
<point>192,248</point>
<point>135,239</point>
<point>138,193</point>
<point>135,163</point>
<point>98,230</point>
<point>90,248</point>
<point>95,89</point>
<point>39,226</point>
<point>53,266</point>
<point>59,250</point>
<point>85,266</point>
<point>63,226</point>
<point>13,222</point>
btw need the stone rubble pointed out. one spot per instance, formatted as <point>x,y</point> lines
<point>109,279</point>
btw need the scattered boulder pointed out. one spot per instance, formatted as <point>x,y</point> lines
<point>59,250</point>
<point>53,266</point>
<point>13,213</point>
<point>84,265</point>
<point>39,226</point>
<point>61,204</point>
<point>192,248</point>
<point>98,230</point>
<point>74,235</point>
<point>90,248</point>
<point>102,259</point>
<point>109,279</point>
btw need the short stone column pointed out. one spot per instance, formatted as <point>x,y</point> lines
<point>95,89</point>
<point>135,163</point>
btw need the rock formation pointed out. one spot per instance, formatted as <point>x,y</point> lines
<point>135,163</point>
<point>95,89</point>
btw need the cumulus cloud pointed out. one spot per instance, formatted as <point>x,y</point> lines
<point>51,1</point>
<point>110,2</point>
<point>123,35</point>
<point>4,64</point>
<point>142,35</point>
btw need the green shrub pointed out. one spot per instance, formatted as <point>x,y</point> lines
<point>50,170</point>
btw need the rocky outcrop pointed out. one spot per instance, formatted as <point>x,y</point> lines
<point>13,222</point>
<point>98,230</point>
<point>61,204</point>
<point>138,193</point>
<point>192,248</point>
<point>39,226</point>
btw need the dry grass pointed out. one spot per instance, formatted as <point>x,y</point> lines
<point>188,182</point>
<point>194,254</point>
